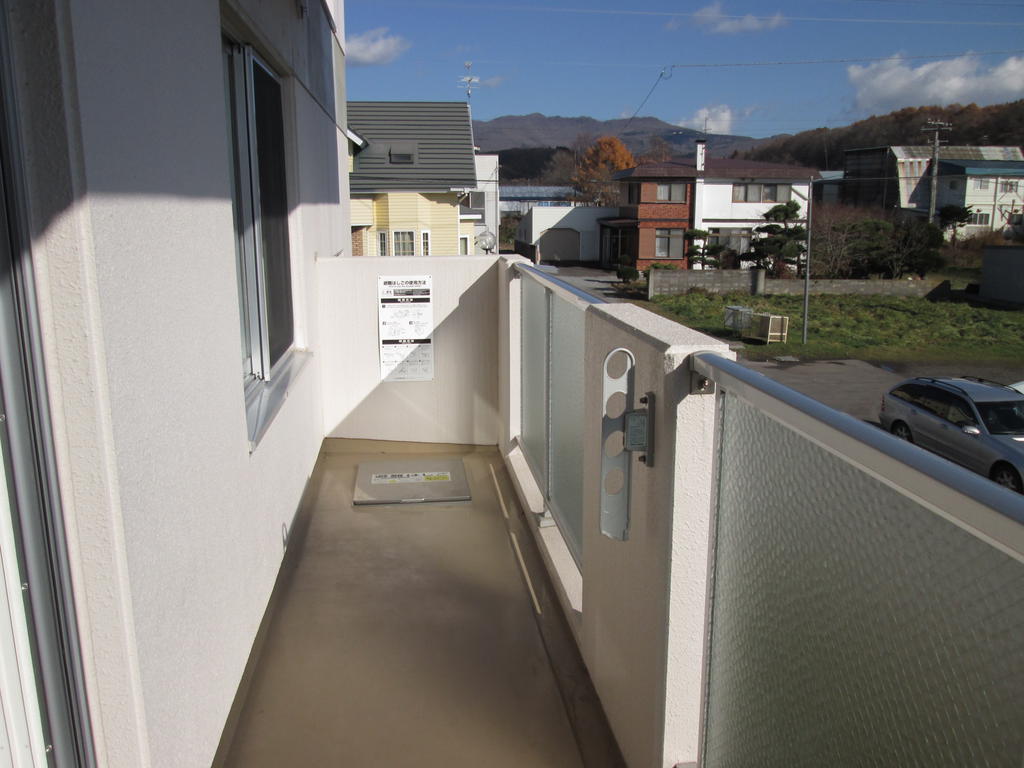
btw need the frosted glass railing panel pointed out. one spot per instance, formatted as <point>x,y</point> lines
<point>534,334</point>
<point>851,625</point>
<point>566,470</point>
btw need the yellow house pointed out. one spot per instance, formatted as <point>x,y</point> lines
<point>412,169</point>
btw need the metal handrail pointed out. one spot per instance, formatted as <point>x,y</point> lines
<point>965,498</point>
<point>590,299</point>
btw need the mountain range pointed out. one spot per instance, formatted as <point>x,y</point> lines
<point>537,130</point>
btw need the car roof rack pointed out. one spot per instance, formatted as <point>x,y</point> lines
<point>985,381</point>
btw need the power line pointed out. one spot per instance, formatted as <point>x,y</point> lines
<point>661,76</point>
<point>936,56</point>
<point>477,8</point>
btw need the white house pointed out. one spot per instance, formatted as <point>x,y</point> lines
<point>732,196</point>
<point>560,234</point>
<point>992,189</point>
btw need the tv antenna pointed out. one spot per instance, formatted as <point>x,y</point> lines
<point>468,82</point>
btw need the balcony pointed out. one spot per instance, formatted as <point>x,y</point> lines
<point>667,559</point>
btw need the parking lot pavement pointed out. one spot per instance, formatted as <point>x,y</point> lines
<point>851,386</point>
<point>856,387</point>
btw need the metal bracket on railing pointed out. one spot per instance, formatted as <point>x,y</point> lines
<point>699,383</point>
<point>618,389</point>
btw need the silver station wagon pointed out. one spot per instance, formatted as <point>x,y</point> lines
<point>974,422</point>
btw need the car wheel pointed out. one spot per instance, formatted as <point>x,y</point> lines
<point>1007,476</point>
<point>902,431</point>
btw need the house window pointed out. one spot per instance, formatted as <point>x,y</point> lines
<point>746,193</point>
<point>464,245</point>
<point>981,183</point>
<point>675,193</point>
<point>979,219</point>
<point>733,239</point>
<point>632,194</point>
<point>775,193</point>
<point>668,243</point>
<point>405,243</point>
<point>260,204</point>
<point>426,243</point>
<point>402,153</point>
<point>477,200</point>
<point>382,243</point>
<point>1008,186</point>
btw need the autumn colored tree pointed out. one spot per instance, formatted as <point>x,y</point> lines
<point>593,177</point>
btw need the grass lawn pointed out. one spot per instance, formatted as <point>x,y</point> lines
<point>871,328</point>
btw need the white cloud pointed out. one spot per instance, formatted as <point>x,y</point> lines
<point>374,47</point>
<point>886,85</point>
<point>492,82</point>
<point>719,119</point>
<point>711,16</point>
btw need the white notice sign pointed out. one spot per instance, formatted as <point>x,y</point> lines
<point>405,321</point>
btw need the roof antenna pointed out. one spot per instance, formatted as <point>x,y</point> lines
<point>468,81</point>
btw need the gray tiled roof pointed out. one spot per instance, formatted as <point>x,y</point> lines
<point>435,138</point>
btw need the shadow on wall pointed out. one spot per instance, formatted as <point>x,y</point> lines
<point>170,147</point>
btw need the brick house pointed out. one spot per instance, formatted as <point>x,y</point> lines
<point>652,225</point>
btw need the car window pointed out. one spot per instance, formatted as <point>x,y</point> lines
<point>911,393</point>
<point>1003,418</point>
<point>934,401</point>
<point>960,412</point>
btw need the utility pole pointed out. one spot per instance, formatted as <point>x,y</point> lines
<point>807,258</point>
<point>933,127</point>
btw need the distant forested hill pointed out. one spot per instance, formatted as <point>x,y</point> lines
<point>999,125</point>
<point>543,131</point>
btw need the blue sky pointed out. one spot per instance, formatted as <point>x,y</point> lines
<point>602,57</point>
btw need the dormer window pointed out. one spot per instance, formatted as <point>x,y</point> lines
<point>402,154</point>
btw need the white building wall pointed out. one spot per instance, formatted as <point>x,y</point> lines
<point>582,218</point>
<point>176,530</point>
<point>717,209</point>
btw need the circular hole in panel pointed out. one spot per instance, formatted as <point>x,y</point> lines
<point>616,405</point>
<point>614,444</point>
<point>614,482</point>
<point>617,365</point>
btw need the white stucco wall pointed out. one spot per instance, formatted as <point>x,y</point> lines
<point>460,405</point>
<point>582,218</point>
<point>176,531</point>
<point>717,209</point>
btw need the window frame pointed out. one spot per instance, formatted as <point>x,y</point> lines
<point>746,187</point>
<point>382,243</point>
<point>464,239</point>
<point>675,192</point>
<point>776,197</point>
<point>979,219</point>
<point>670,238</point>
<point>241,63</point>
<point>424,242</point>
<point>1008,186</point>
<point>412,242</point>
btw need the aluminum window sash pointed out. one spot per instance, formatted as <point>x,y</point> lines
<point>260,322</point>
<point>245,233</point>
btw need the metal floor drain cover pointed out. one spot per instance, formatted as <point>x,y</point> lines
<point>409,481</point>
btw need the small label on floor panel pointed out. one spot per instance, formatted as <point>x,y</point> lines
<point>391,478</point>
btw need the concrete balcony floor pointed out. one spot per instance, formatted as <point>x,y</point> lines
<point>406,635</point>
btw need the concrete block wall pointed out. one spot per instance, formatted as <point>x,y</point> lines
<point>662,282</point>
